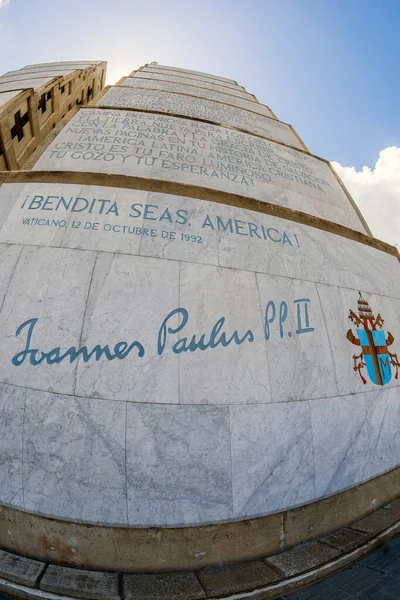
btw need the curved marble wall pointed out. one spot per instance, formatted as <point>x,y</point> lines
<point>167,360</point>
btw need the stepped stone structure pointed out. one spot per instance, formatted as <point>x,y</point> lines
<point>200,337</point>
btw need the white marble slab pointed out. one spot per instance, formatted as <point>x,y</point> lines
<point>231,90</point>
<point>74,458</point>
<point>24,84</point>
<point>181,228</point>
<point>206,110</point>
<point>9,256</point>
<point>355,438</point>
<point>222,375</point>
<point>199,92</point>
<point>337,303</point>
<point>189,71</point>
<point>178,464</point>
<point>129,299</point>
<point>299,355</point>
<point>51,285</point>
<point>12,403</point>
<point>272,458</point>
<point>175,149</point>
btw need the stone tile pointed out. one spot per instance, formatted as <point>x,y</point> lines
<point>358,444</point>
<point>386,588</point>
<point>199,168</point>
<point>58,281</point>
<point>346,540</point>
<point>80,584</point>
<point>231,579</point>
<point>12,402</point>
<point>237,373</point>
<point>199,108</point>
<point>199,92</point>
<point>378,521</point>
<point>74,458</point>
<point>167,586</point>
<point>271,472</point>
<point>320,591</point>
<point>299,355</point>
<point>356,580</point>
<point>178,465</point>
<point>190,72</point>
<point>19,569</point>
<point>302,558</point>
<point>385,559</point>
<point>116,311</point>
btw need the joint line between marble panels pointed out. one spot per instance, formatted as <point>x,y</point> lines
<point>83,319</point>
<point>126,464</point>
<point>23,450</point>
<point>179,335</point>
<point>265,341</point>
<point>312,448</point>
<point>12,276</point>
<point>330,344</point>
<point>231,458</point>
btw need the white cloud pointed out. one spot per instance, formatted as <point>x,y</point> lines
<point>377,193</point>
<point>4,2</point>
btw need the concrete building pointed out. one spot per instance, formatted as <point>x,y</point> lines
<point>199,334</point>
<point>34,99</point>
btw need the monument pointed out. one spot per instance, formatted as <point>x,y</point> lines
<point>200,337</point>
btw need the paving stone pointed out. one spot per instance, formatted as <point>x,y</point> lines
<point>379,520</point>
<point>387,588</point>
<point>237,578</point>
<point>355,580</point>
<point>163,586</point>
<point>19,569</point>
<point>80,584</point>
<point>385,559</point>
<point>320,591</point>
<point>346,540</point>
<point>302,558</point>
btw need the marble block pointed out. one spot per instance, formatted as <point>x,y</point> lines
<point>50,285</point>
<point>231,88</point>
<point>190,72</point>
<point>222,375</point>
<point>178,464</point>
<point>196,154</point>
<point>74,458</point>
<point>129,299</point>
<point>207,110</point>
<point>12,404</point>
<point>355,438</point>
<point>194,90</point>
<point>270,469</point>
<point>299,355</point>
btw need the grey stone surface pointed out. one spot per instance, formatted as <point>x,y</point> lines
<point>227,88</point>
<point>93,585</point>
<point>197,91</point>
<point>267,466</point>
<point>199,108</point>
<point>379,520</point>
<point>302,558</point>
<point>19,569</point>
<point>178,464</point>
<point>168,586</point>
<point>271,174</point>
<point>231,579</point>
<point>74,458</point>
<point>346,539</point>
<point>12,403</point>
<point>189,72</point>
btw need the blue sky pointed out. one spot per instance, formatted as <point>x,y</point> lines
<point>329,67</point>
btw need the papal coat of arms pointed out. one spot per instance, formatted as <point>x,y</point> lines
<point>374,342</point>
